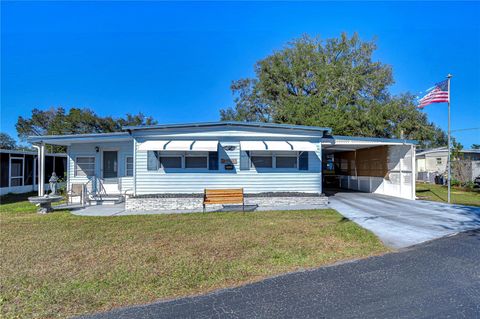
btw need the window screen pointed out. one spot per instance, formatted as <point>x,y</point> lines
<point>286,161</point>
<point>85,166</point>
<point>171,161</point>
<point>196,162</point>
<point>262,161</point>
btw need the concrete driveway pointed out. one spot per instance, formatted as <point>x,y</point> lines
<point>400,222</point>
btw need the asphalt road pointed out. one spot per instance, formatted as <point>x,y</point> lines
<point>437,279</point>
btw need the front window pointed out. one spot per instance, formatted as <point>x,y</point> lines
<point>274,160</point>
<point>85,166</point>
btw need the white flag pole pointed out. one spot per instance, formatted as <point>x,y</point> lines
<point>449,76</point>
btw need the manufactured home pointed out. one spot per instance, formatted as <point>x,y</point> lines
<point>18,170</point>
<point>166,167</point>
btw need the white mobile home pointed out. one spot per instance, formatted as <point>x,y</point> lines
<point>153,164</point>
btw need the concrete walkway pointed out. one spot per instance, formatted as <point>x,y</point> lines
<point>400,222</point>
<point>119,210</point>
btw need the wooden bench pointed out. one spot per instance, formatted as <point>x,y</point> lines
<point>224,196</point>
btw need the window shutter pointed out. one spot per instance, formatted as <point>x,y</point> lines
<point>303,161</point>
<point>244,160</point>
<point>213,161</point>
<point>152,160</point>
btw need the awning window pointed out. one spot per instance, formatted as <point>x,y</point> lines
<point>300,146</point>
<point>177,145</point>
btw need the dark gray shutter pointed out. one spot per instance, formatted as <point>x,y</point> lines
<point>213,161</point>
<point>303,161</point>
<point>244,160</point>
<point>152,160</point>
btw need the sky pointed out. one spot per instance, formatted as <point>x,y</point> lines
<point>175,60</point>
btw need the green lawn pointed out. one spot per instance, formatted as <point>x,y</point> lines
<point>60,265</point>
<point>438,193</point>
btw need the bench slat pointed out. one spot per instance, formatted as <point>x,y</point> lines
<point>223,191</point>
<point>209,199</point>
<point>224,202</point>
<point>223,196</point>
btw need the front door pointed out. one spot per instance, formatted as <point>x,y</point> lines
<point>110,164</point>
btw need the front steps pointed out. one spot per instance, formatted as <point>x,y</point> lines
<point>106,200</point>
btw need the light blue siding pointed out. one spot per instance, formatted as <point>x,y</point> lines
<point>268,180</point>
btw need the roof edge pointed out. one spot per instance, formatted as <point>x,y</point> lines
<point>228,123</point>
<point>40,138</point>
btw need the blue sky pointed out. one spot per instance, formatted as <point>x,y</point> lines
<point>175,61</point>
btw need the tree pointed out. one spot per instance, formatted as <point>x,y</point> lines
<point>56,121</point>
<point>333,83</point>
<point>7,142</point>
<point>475,146</point>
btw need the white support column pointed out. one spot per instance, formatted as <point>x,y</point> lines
<point>41,168</point>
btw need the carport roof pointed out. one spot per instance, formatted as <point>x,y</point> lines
<point>374,139</point>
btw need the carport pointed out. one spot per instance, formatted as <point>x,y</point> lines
<point>371,165</point>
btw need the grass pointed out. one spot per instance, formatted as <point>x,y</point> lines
<point>59,265</point>
<point>438,193</point>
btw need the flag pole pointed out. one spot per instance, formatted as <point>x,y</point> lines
<point>449,76</point>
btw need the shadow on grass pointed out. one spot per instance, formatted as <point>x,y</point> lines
<point>15,198</point>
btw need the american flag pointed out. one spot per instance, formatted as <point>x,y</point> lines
<point>437,94</point>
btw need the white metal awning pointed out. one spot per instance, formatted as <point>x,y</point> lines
<point>303,146</point>
<point>152,145</point>
<point>206,146</point>
<point>277,146</point>
<point>177,145</point>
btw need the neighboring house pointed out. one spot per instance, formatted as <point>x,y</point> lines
<point>18,170</point>
<point>433,162</point>
<point>169,166</point>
